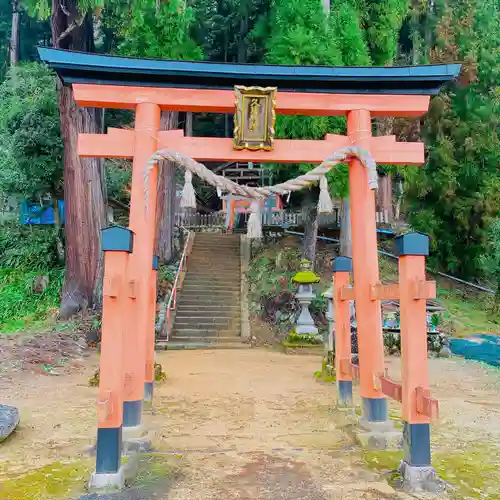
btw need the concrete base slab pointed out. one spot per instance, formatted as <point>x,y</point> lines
<point>416,479</point>
<point>378,436</point>
<point>136,432</point>
<point>371,426</point>
<point>137,445</point>
<point>108,482</point>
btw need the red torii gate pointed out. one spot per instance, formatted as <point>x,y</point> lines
<point>149,87</point>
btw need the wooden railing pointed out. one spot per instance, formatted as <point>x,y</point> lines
<point>198,221</point>
<point>179,279</point>
<point>194,221</point>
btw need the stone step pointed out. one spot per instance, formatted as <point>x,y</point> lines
<point>211,272</point>
<point>200,323</point>
<point>176,345</point>
<point>205,330</point>
<point>220,260</point>
<point>218,324</point>
<point>224,265</point>
<point>206,294</point>
<point>208,310</point>
<point>217,240</point>
<point>207,300</point>
<point>204,306</point>
<point>207,250</point>
<point>206,336</point>
<point>216,243</point>
<point>211,287</point>
<point>205,279</point>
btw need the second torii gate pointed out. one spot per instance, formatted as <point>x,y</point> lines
<point>149,87</point>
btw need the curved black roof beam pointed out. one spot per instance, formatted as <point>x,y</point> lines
<point>78,67</point>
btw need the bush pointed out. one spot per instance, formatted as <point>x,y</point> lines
<point>26,254</point>
<point>28,248</point>
<point>20,305</point>
<point>31,143</point>
<point>490,260</point>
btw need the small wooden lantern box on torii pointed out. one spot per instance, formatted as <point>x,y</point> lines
<point>149,87</point>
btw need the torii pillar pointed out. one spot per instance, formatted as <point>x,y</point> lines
<point>366,274</point>
<point>139,348</point>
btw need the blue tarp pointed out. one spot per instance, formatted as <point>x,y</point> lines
<point>34,214</point>
<point>485,348</point>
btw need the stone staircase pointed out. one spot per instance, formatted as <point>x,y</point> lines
<point>208,307</point>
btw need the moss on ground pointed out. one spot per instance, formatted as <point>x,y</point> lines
<point>471,474</point>
<point>51,482</point>
<point>325,376</point>
<point>157,467</point>
<point>382,460</point>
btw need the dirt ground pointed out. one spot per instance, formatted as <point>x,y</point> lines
<point>249,424</point>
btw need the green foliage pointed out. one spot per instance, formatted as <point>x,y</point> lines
<point>118,175</point>
<point>490,259</point>
<point>383,22</point>
<point>231,30</point>
<point>303,338</point>
<point>157,33</point>
<point>456,197</point>
<point>31,159</point>
<point>20,306</point>
<point>32,33</point>
<point>301,34</point>
<point>42,9</point>
<point>345,20</point>
<point>28,248</point>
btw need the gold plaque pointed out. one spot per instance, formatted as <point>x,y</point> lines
<point>254,118</point>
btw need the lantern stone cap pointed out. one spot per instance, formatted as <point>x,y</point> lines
<point>328,294</point>
<point>306,276</point>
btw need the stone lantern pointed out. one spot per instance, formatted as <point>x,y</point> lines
<point>305,295</point>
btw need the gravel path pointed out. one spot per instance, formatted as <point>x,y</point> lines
<point>246,424</point>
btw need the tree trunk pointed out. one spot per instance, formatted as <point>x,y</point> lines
<point>310,218</point>
<point>242,43</point>
<point>14,37</point>
<point>326,5</point>
<point>166,201</point>
<point>385,195</point>
<point>345,229</point>
<point>84,179</point>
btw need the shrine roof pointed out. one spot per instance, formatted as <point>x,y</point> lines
<point>78,67</point>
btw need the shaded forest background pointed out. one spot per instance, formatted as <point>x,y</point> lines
<point>455,197</point>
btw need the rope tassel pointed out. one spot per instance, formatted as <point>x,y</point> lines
<point>325,205</point>
<point>188,199</point>
<point>254,225</point>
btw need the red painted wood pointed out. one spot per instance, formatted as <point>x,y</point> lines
<point>222,101</point>
<point>121,144</point>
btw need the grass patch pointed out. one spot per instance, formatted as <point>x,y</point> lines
<point>466,312</point>
<point>157,468</point>
<point>383,460</point>
<point>20,306</point>
<point>54,481</point>
<point>473,474</point>
<point>325,377</point>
